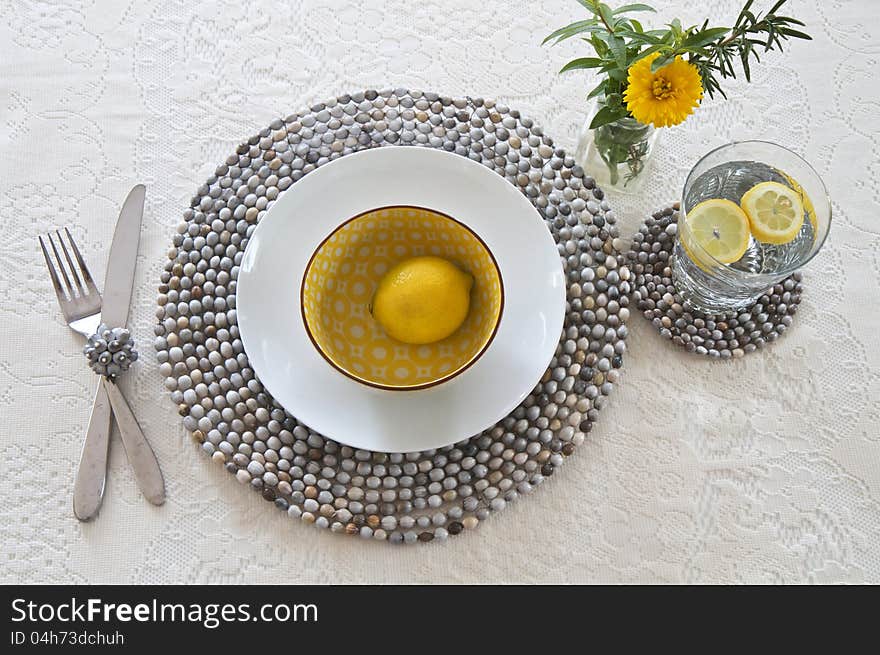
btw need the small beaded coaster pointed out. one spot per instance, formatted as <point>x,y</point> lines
<point>399,497</point>
<point>724,336</point>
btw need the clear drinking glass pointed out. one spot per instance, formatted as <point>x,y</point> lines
<point>728,172</point>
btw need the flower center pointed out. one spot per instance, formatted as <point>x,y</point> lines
<point>662,88</point>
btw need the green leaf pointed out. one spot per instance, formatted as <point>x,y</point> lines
<point>660,62</point>
<point>649,51</point>
<point>573,29</point>
<point>583,62</point>
<point>705,37</point>
<point>638,37</point>
<point>744,59</point>
<point>606,14</point>
<point>617,74</point>
<point>614,100</point>
<point>617,46</point>
<point>743,14</point>
<point>796,34</point>
<point>589,5</point>
<point>607,115</point>
<point>597,91</point>
<point>633,7</point>
<point>775,7</point>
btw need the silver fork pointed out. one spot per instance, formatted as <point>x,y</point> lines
<point>81,308</point>
<point>80,304</point>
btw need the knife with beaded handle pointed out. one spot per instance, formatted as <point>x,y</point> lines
<point>118,286</point>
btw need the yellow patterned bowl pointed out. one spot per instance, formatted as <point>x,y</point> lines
<point>342,277</point>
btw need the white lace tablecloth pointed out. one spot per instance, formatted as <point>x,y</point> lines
<point>764,469</point>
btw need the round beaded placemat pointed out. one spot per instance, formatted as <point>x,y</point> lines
<point>725,335</point>
<point>401,497</point>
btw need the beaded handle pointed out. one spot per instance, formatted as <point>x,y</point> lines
<point>110,351</point>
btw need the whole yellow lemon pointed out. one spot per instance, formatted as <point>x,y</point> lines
<point>422,300</point>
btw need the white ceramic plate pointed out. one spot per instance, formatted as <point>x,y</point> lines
<point>296,374</point>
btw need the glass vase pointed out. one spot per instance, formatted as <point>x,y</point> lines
<point>616,154</point>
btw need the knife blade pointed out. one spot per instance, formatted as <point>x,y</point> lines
<point>119,280</point>
<point>118,286</point>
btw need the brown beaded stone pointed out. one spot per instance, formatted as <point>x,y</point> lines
<point>310,492</point>
<point>426,536</point>
<point>455,527</point>
<point>351,528</point>
<point>373,521</point>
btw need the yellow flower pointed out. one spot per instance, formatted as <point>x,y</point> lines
<point>664,97</point>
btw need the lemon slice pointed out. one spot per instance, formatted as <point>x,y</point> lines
<point>721,228</point>
<point>775,212</point>
<point>809,210</point>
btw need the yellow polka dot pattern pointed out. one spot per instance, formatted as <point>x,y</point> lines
<point>345,272</point>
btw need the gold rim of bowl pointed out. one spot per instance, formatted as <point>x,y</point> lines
<point>413,387</point>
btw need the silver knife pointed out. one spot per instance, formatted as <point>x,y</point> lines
<point>114,313</point>
<point>89,482</point>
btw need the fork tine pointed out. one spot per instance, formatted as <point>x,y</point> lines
<point>90,283</point>
<point>52,273</point>
<point>70,263</point>
<point>61,266</point>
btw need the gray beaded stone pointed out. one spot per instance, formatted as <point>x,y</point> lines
<point>110,351</point>
<point>396,497</point>
<point>722,336</point>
